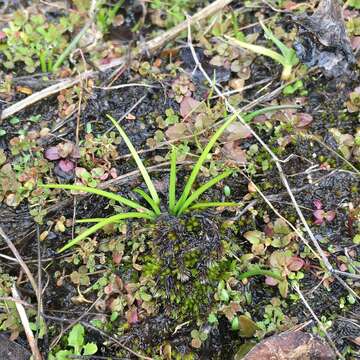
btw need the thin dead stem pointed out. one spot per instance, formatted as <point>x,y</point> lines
<point>26,325</point>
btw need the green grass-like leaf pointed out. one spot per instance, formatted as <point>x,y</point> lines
<point>288,53</point>
<point>258,49</point>
<point>101,224</point>
<point>248,117</point>
<point>172,181</point>
<point>149,200</point>
<point>99,192</point>
<point>140,165</point>
<point>196,194</point>
<point>287,58</point>
<point>200,161</point>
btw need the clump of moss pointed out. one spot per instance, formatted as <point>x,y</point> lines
<point>184,256</point>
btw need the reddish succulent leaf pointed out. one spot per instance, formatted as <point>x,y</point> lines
<point>269,230</point>
<point>108,289</point>
<point>75,154</point>
<point>66,165</point>
<point>271,281</point>
<point>117,257</point>
<point>355,42</point>
<point>132,315</point>
<point>303,120</point>
<point>319,214</point>
<point>113,173</point>
<point>261,119</point>
<point>187,105</point>
<point>52,153</point>
<point>330,215</point>
<point>295,263</point>
<point>318,204</point>
<point>343,267</point>
<point>291,346</point>
<point>289,5</point>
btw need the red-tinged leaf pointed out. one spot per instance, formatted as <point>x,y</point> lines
<point>269,230</point>
<point>117,257</point>
<point>303,120</point>
<point>187,105</point>
<point>318,204</point>
<point>319,214</point>
<point>343,267</point>
<point>131,287</point>
<point>66,165</point>
<point>234,152</point>
<point>113,173</point>
<point>80,172</point>
<point>355,42</point>
<point>52,153</point>
<point>271,281</point>
<point>295,263</point>
<point>132,315</point>
<point>289,5</point>
<point>108,289</point>
<point>330,215</point>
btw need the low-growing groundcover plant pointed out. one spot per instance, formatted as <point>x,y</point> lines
<point>34,42</point>
<point>187,199</point>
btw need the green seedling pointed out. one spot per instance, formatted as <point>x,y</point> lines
<point>187,200</point>
<point>287,58</point>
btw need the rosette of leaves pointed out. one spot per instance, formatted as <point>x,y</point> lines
<point>188,199</point>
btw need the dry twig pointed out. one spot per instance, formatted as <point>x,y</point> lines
<point>26,325</point>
